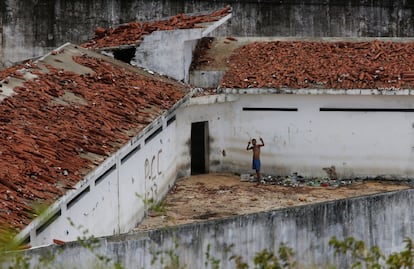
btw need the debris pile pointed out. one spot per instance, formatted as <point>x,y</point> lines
<point>296,180</point>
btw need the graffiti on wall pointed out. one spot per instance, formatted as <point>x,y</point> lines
<point>152,170</point>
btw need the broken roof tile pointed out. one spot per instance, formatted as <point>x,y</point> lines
<point>132,32</point>
<point>329,65</point>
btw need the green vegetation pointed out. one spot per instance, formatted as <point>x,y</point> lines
<point>91,244</point>
<point>360,257</point>
<point>373,258</point>
<point>167,259</point>
<point>152,206</point>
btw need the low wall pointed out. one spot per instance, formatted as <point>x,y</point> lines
<point>384,220</point>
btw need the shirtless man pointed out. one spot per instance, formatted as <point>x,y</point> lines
<point>256,156</point>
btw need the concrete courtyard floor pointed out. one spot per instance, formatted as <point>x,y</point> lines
<point>213,196</point>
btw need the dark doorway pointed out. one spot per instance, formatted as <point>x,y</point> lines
<point>125,55</point>
<point>199,147</point>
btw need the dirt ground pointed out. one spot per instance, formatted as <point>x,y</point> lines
<point>212,196</point>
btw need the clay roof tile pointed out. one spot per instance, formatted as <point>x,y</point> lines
<point>329,65</point>
<point>131,33</point>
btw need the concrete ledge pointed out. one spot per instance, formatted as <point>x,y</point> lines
<point>309,91</point>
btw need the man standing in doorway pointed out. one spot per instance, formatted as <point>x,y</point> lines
<point>256,156</point>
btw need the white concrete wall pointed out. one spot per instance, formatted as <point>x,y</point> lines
<point>219,112</point>
<point>99,205</point>
<point>149,173</point>
<point>358,144</point>
<point>112,199</point>
<point>168,52</point>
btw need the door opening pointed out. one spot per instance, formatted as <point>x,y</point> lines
<point>199,148</point>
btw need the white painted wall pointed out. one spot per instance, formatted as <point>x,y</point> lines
<point>111,199</point>
<point>149,173</point>
<point>358,144</point>
<point>100,205</point>
<point>218,111</point>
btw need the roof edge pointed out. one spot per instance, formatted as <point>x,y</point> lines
<point>307,91</point>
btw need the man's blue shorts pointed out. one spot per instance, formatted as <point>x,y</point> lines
<point>256,165</point>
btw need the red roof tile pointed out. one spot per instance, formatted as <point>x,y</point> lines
<point>336,65</point>
<point>131,33</point>
<point>54,120</point>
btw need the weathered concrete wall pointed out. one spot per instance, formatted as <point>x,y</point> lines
<point>300,137</point>
<point>384,220</point>
<point>30,28</point>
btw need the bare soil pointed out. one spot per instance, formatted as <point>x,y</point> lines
<point>213,196</point>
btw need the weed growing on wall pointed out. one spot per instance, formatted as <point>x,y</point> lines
<point>11,256</point>
<point>373,258</point>
<point>167,259</point>
<point>267,260</point>
<point>152,206</point>
<point>91,243</point>
<point>284,257</point>
<point>215,263</point>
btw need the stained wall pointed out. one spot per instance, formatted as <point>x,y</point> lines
<point>384,220</point>
<point>362,133</point>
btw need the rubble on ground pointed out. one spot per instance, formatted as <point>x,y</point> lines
<point>295,180</point>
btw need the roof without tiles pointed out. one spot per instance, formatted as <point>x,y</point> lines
<point>311,64</point>
<point>62,116</point>
<point>133,32</point>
